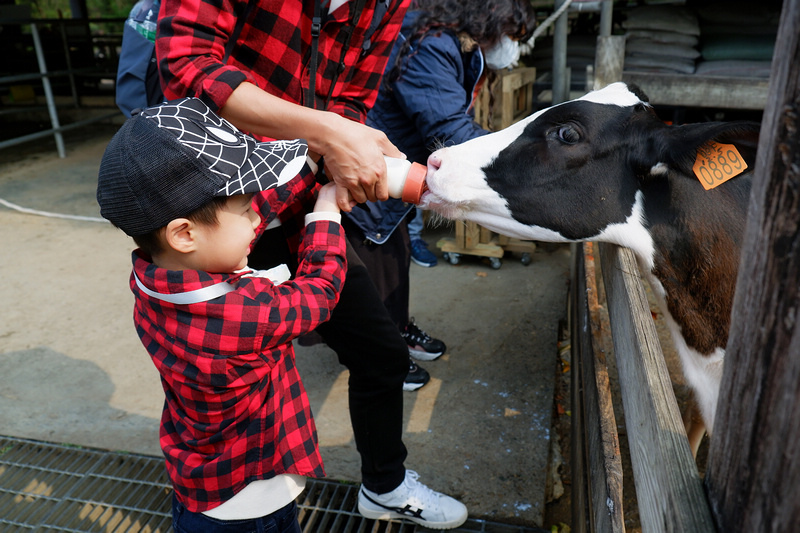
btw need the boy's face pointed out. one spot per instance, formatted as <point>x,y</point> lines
<point>224,247</point>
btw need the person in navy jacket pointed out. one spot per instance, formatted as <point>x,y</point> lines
<point>445,52</point>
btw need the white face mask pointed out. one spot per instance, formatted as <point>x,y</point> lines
<point>502,55</point>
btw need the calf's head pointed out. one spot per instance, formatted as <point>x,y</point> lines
<point>572,172</point>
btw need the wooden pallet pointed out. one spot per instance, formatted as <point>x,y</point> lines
<point>473,239</point>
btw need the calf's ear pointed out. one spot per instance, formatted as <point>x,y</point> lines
<point>686,140</point>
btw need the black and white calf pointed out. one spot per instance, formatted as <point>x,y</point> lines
<point>605,168</point>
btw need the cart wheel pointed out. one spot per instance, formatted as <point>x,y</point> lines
<point>495,262</point>
<point>526,258</point>
<point>452,257</point>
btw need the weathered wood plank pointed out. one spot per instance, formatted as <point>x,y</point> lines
<point>701,91</point>
<point>480,249</point>
<point>580,344</point>
<point>668,486</point>
<point>605,465</point>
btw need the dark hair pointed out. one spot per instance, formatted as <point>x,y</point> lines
<point>484,21</point>
<point>153,243</point>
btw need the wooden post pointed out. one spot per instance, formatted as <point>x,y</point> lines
<point>608,60</point>
<point>597,502</point>
<point>753,475</point>
<point>560,73</point>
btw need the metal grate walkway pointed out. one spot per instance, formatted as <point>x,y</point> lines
<point>48,487</point>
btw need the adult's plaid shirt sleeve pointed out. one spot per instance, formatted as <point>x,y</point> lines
<point>273,51</point>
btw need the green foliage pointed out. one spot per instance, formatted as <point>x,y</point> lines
<point>52,9</point>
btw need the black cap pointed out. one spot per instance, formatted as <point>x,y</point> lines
<point>169,160</point>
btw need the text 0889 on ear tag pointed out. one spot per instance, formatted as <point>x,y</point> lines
<point>717,163</point>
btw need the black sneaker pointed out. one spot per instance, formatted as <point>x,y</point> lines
<point>416,378</point>
<point>421,345</point>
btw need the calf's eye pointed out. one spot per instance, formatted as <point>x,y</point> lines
<point>568,134</point>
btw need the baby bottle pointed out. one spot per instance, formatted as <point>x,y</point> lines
<point>406,179</point>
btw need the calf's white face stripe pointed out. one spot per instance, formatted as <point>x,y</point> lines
<point>613,94</point>
<point>632,234</point>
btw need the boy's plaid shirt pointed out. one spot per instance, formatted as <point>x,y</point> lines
<point>236,410</point>
<point>273,51</point>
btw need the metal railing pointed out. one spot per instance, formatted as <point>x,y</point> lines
<point>45,76</point>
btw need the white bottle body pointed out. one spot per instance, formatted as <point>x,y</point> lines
<point>396,174</point>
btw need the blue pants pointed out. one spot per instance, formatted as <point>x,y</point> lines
<point>281,521</point>
<point>416,224</point>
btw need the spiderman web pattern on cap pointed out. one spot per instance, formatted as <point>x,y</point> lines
<point>245,164</point>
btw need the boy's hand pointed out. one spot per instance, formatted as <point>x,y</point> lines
<point>326,199</point>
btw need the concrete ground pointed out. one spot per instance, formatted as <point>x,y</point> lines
<point>74,370</point>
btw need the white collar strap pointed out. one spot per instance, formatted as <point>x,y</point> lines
<point>189,297</point>
<point>277,275</point>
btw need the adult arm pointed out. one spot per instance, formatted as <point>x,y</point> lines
<point>191,45</point>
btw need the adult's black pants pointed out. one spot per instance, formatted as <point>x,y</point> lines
<point>367,342</point>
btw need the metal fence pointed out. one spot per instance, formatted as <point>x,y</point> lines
<point>44,52</point>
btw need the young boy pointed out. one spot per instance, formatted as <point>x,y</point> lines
<point>236,430</point>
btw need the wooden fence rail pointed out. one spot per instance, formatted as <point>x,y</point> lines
<point>669,489</point>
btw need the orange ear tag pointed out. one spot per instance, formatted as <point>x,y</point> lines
<point>717,163</point>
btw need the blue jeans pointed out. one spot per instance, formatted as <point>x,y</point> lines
<point>281,521</point>
<point>416,224</point>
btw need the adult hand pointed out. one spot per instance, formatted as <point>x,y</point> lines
<point>354,161</point>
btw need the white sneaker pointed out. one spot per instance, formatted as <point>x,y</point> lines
<point>413,501</point>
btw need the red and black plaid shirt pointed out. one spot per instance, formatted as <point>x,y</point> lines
<point>273,51</point>
<point>236,410</point>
